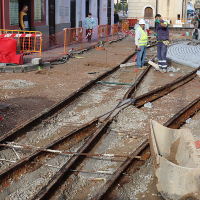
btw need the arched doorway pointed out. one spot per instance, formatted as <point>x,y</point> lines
<point>148,12</point>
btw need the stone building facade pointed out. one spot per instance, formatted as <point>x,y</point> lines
<point>169,9</point>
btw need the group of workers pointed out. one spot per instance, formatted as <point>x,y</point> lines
<point>141,40</point>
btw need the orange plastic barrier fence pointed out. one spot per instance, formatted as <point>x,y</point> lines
<point>73,35</point>
<point>115,31</point>
<point>132,22</point>
<point>103,32</point>
<point>125,26</point>
<point>34,44</point>
<point>52,47</point>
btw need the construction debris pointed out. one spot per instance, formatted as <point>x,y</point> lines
<point>176,162</point>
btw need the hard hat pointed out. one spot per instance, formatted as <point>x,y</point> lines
<point>141,21</point>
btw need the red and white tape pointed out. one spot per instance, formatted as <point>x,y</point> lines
<point>19,35</point>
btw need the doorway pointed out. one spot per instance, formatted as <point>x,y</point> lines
<point>73,13</point>
<point>87,7</point>
<point>52,17</point>
<point>98,11</point>
<point>109,12</point>
<point>28,3</point>
<point>148,12</point>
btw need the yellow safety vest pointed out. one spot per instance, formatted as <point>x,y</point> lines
<point>144,39</point>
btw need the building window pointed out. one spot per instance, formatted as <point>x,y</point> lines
<point>14,13</point>
<point>66,11</point>
<point>39,11</point>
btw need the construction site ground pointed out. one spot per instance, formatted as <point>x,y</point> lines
<point>30,93</point>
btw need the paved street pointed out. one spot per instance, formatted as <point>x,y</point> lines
<point>185,54</point>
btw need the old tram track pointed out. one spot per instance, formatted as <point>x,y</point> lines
<point>33,161</point>
<point>140,155</point>
<point>33,124</point>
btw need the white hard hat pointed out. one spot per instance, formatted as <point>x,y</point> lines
<point>141,21</point>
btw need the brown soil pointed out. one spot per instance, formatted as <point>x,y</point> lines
<point>53,85</point>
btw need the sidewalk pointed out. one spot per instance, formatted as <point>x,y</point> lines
<point>58,52</point>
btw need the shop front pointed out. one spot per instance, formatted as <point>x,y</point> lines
<point>36,14</point>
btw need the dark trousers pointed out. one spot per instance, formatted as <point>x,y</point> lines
<point>89,33</point>
<point>195,37</point>
<point>162,55</point>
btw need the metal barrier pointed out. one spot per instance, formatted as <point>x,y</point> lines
<point>34,44</point>
<point>125,26</point>
<point>115,31</point>
<point>103,31</point>
<point>73,35</point>
<point>151,21</point>
<point>134,20</point>
<point>27,41</point>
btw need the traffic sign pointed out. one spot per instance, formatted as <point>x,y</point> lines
<point>123,1</point>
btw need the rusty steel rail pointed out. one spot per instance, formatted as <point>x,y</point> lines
<point>57,180</point>
<point>131,92</point>
<point>159,92</point>
<point>102,192</point>
<point>15,169</point>
<point>55,144</point>
<point>47,191</point>
<point>58,107</point>
<point>30,147</point>
<point>64,172</point>
<point>175,122</point>
<point>9,171</point>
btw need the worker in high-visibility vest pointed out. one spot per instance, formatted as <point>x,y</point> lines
<point>141,40</point>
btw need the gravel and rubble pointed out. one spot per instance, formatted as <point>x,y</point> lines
<point>128,129</point>
<point>15,84</point>
<point>24,189</point>
<point>134,122</point>
<point>194,126</point>
<point>138,182</point>
<point>82,111</point>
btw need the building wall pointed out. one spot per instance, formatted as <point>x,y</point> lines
<point>62,15</point>
<point>93,8</point>
<point>167,8</point>
<point>137,8</point>
<point>39,26</point>
<point>103,12</point>
<point>170,9</point>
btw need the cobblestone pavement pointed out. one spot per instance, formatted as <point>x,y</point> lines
<point>185,54</point>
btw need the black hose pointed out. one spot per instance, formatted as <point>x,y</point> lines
<point>60,61</point>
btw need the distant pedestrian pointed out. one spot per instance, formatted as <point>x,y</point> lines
<point>23,19</point>
<point>141,40</point>
<point>116,18</point>
<point>162,34</point>
<point>89,24</point>
<point>24,26</point>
